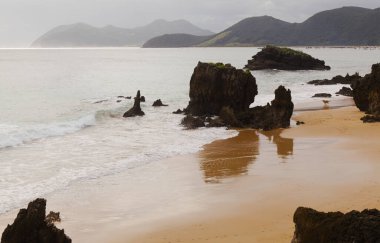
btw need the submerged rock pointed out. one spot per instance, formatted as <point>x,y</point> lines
<point>192,122</point>
<point>31,226</point>
<point>345,92</point>
<point>214,86</point>
<point>272,57</point>
<point>179,111</point>
<point>136,109</point>
<point>142,99</point>
<point>367,91</point>
<point>322,95</point>
<point>317,227</point>
<point>158,103</point>
<point>348,79</point>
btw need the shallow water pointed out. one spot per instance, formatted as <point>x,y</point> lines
<point>54,133</point>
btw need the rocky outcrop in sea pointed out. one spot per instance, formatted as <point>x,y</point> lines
<point>221,95</point>
<point>272,57</point>
<point>136,109</point>
<point>348,79</point>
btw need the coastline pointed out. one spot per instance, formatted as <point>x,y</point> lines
<point>242,189</point>
<point>336,177</point>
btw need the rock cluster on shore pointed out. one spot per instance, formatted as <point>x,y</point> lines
<point>367,92</point>
<point>317,227</point>
<point>32,226</point>
<point>226,92</point>
<point>272,57</point>
<point>348,79</point>
<point>136,109</point>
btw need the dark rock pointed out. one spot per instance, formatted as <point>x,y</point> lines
<point>367,91</point>
<point>121,97</point>
<point>272,57</point>
<point>348,79</point>
<point>345,92</point>
<point>118,101</point>
<point>191,122</point>
<point>370,119</point>
<point>136,109</point>
<point>227,115</point>
<point>142,99</point>
<point>158,103</point>
<point>274,115</point>
<point>128,97</point>
<point>100,101</point>
<point>53,217</point>
<point>300,123</point>
<point>322,95</point>
<point>214,86</point>
<point>317,227</point>
<point>30,226</point>
<point>216,122</point>
<point>178,112</point>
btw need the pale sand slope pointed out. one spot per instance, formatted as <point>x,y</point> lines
<point>332,164</point>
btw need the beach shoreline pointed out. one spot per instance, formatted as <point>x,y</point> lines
<point>241,189</point>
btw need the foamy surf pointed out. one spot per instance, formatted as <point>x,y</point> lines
<point>14,135</point>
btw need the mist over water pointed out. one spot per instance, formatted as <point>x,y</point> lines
<point>54,131</point>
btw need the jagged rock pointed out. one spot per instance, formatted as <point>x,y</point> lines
<point>216,122</point>
<point>136,109</point>
<point>348,79</point>
<point>317,227</point>
<point>322,95</point>
<point>158,103</point>
<point>53,217</point>
<point>128,97</point>
<point>274,115</point>
<point>142,99</point>
<point>178,112</point>
<point>345,92</point>
<point>370,119</point>
<point>227,115</point>
<point>299,123</point>
<point>214,86</point>
<point>30,226</point>
<point>272,57</point>
<point>367,91</point>
<point>191,122</point>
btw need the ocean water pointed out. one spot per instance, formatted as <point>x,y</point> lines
<point>60,120</point>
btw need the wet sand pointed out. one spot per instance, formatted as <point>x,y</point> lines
<point>330,164</point>
<point>242,189</point>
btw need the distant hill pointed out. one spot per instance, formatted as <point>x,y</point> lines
<point>84,35</point>
<point>175,40</point>
<point>342,26</point>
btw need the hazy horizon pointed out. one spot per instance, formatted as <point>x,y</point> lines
<point>23,21</point>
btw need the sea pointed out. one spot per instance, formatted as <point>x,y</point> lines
<point>61,109</point>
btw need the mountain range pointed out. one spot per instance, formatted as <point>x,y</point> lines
<point>345,26</point>
<point>84,35</point>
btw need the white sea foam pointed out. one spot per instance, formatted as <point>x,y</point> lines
<point>13,135</point>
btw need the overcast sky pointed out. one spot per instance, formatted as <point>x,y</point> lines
<point>22,21</point>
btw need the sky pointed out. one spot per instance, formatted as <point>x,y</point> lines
<point>22,21</point>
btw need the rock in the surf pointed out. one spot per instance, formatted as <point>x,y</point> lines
<point>348,79</point>
<point>345,91</point>
<point>31,226</point>
<point>136,109</point>
<point>367,91</point>
<point>192,122</point>
<point>272,116</point>
<point>158,103</point>
<point>273,57</point>
<point>217,85</point>
<point>322,95</point>
<point>312,226</point>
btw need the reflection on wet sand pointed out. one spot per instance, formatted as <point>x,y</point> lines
<point>284,145</point>
<point>232,157</point>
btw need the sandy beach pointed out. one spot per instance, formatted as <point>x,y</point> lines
<point>241,189</point>
<point>329,164</point>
